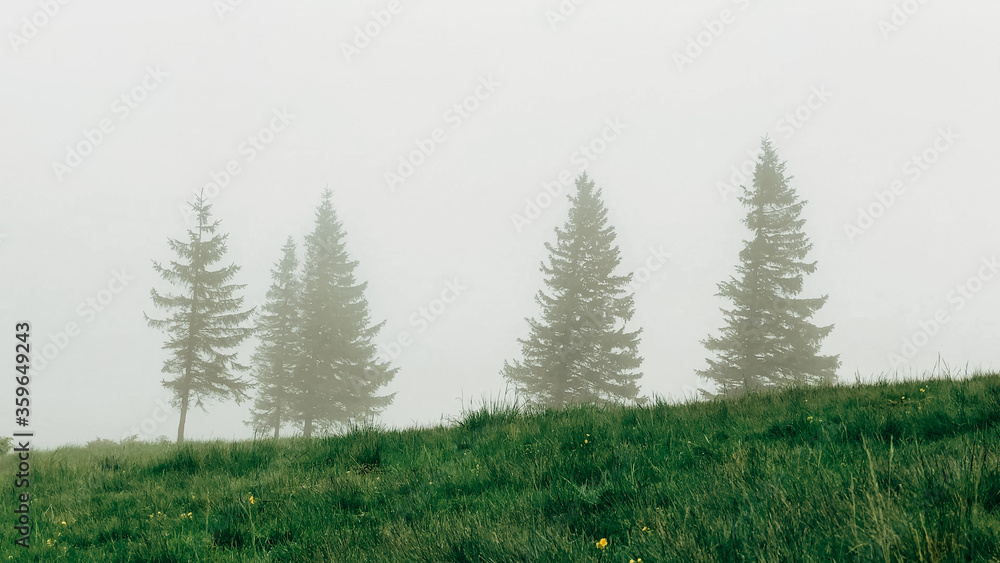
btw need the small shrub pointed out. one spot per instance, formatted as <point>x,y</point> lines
<point>100,443</point>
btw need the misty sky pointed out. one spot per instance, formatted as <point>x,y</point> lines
<point>660,101</point>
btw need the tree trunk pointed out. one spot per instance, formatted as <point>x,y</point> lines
<point>180,425</point>
<point>307,428</point>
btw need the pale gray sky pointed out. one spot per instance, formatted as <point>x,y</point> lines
<point>687,88</point>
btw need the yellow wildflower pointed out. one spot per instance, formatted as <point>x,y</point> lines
<point>602,544</point>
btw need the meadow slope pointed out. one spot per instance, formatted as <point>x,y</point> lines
<point>895,471</point>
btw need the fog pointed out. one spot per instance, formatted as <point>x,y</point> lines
<point>442,129</point>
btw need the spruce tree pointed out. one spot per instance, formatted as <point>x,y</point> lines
<point>278,351</point>
<point>206,320</point>
<point>580,351</point>
<point>769,341</point>
<point>338,372</point>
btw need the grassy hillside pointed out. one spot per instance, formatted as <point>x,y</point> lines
<point>888,472</point>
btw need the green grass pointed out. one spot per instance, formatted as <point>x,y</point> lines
<point>843,473</point>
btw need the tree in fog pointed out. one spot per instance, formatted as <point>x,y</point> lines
<point>205,319</point>
<point>338,372</point>
<point>579,351</point>
<point>768,341</point>
<point>278,351</point>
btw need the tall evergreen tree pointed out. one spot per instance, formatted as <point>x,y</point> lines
<point>278,351</point>
<point>769,341</point>
<point>206,319</point>
<point>338,372</point>
<point>580,351</point>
